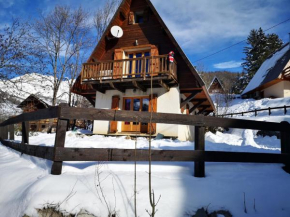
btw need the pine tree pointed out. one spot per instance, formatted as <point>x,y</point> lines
<point>259,47</point>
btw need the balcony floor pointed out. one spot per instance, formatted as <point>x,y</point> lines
<point>121,84</point>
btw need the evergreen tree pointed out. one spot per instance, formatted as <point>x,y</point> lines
<point>259,47</point>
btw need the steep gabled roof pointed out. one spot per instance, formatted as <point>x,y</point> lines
<point>212,82</point>
<point>185,58</point>
<point>270,70</point>
<point>33,97</point>
<point>188,79</point>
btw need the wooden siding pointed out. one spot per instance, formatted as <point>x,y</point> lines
<point>152,32</point>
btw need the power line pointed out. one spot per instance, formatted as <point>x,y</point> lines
<point>219,51</point>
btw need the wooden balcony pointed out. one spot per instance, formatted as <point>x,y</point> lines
<point>130,73</point>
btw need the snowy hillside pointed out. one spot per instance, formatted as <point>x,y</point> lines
<point>21,87</point>
<point>26,183</point>
<point>40,85</point>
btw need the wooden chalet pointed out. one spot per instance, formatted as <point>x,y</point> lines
<point>272,80</point>
<point>216,86</point>
<point>33,103</point>
<point>132,54</point>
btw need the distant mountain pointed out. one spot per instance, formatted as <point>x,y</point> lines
<point>17,89</point>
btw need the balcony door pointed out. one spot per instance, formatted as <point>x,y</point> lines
<point>135,104</point>
<point>137,67</point>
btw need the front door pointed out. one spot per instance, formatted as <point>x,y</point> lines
<point>135,104</point>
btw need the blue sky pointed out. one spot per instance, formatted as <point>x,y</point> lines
<point>201,27</point>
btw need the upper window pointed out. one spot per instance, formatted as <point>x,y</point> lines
<point>139,17</point>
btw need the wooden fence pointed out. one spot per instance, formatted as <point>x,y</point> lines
<point>60,153</point>
<point>269,109</point>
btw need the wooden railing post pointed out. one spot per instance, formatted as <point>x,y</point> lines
<point>25,132</point>
<point>285,142</point>
<point>59,142</point>
<point>11,131</point>
<point>4,132</point>
<point>199,166</point>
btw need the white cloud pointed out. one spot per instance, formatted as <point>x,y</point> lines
<point>200,25</point>
<point>6,3</point>
<point>227,65</point>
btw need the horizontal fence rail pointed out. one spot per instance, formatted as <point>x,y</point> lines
<point>60,153</point>
<point>269,109</point>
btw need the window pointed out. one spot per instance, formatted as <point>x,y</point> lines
<point>139,17</point>
<point>137,67</point>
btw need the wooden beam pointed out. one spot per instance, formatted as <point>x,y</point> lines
<point>182,91</point>
<point>99,154</point>
<point>97,88</point>
<point>196,105</point>
<point>139,86</point>
<point>32,150</point>
<point>114,86</point>
<point>164,85</point>
<point>189,98</point>
<point>204,107</point>
<point>40,114</point>
<point>199,99</point>
<point>167,118</point>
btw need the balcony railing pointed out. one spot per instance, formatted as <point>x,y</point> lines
<point>123,69</point>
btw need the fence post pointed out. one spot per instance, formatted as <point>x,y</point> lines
<point>25,132</point>
<point>255,112</point>
<point>285,110</point>
<point>269,111</point>
<point>11,131</point>
<point>4,132</point>
<point>285,142</point>
<point>59,143</point>
<point>199,166</point>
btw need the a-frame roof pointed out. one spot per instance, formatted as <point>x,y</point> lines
<point>270,70</point>
<point>33,98</point>
<point>122,5</point>
<point>188,79</point>
<point>219,82</point>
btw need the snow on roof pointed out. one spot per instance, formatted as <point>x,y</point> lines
<point>265,68</point>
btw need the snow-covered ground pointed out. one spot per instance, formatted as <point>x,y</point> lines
<point>26,183</point>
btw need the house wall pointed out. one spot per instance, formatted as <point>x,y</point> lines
<point>167,102</point>
<point>186,132</point>
<point>286,88</point>
<point>279,90</point>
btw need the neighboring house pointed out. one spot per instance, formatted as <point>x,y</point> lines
<point>272,80</point>
<point>117,75</point>
<point>33,103</point>
<point>216,86</point>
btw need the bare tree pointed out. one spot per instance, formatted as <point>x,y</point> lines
<point>61,36</point>
<point>103,16</point>
<point>16,51</point>
<point>17,58</point>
